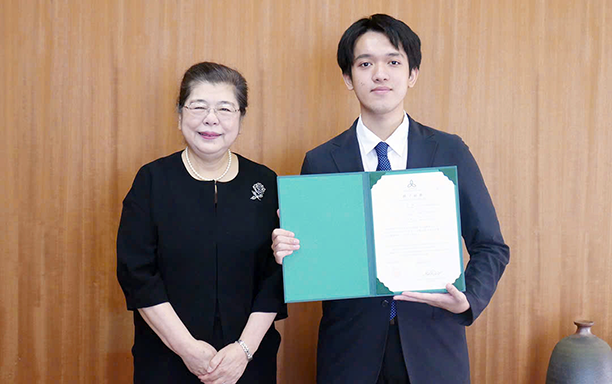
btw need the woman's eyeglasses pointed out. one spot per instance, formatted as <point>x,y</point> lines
<point>200,110</point>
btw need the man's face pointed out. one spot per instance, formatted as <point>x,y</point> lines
<point>381,75</point>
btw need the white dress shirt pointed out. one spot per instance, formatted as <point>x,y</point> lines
<point>397,151</point>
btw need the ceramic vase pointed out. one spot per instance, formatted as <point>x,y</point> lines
<point>581,358</point>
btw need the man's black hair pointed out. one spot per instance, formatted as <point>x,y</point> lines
<point>399,34</point>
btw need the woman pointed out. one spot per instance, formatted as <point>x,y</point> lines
<point>193,249</point>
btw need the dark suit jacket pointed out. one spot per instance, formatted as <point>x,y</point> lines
<point>353,332</point>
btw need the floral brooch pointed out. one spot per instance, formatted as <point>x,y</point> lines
<point>258,191</point>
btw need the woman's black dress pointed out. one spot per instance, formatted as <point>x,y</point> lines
<point>211,261</point>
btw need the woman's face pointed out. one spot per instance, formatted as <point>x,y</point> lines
<point>210,134</point>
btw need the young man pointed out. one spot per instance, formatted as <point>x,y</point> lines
<point>414,337</point>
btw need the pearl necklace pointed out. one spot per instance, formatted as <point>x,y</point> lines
<point>229,163</point>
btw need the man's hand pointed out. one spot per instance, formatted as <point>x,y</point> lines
<point>454,301</point>
<point>283,243</point>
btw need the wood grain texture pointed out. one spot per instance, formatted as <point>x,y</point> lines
<point>87,97</point>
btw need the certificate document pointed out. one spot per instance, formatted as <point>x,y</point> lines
<point>371,233</point>
<point>415,231</point>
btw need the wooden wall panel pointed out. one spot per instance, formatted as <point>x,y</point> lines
<point>87,97</point>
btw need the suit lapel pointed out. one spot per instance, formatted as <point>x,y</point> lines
<point>421,149</point>
<point>421,146</point>
<point>347,155</point>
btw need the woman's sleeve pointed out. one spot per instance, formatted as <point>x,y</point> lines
<point>270,296</point>
<point>137,269</point>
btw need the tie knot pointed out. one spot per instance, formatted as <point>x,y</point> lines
<point>381,149</point>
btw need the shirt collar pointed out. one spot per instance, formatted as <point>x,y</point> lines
<point>398,141</point>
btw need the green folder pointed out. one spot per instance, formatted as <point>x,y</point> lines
<point>331,215</point>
